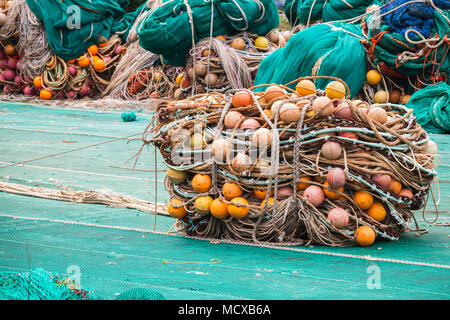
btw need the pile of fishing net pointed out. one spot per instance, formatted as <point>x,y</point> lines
<point>175,26</point>
<point>39,284</point>
<point>308,12</point>
<point>292,167</point>
<point>320,50</point>
<point>31,65</point>
<point>405,43</point>
<point>213,64</point>
<point>431,107</point>
<point>228,62</point>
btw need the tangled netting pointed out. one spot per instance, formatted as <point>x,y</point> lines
<point>173,28</point>
<point>39,284</point>
<point>215,65</point>
<point>395,148</point>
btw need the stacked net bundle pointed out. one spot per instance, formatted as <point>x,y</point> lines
<point>73,26</point>
<point>228,62</point>
<point>28,65</point>
<point>308,12</point>
<point>83,77</point>
<point>292,167</point>
<point>431,107</point>
<point>175,26</point>
<point>39,284</point>
<point>409,40</point>
<point>323,49</point>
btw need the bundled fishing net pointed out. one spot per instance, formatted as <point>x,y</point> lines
<point>228,62</point>
<point>431,107</point>
<point>324,49</point>
<point>409,40</point>
<point>303,12</point>
<point>80,77</point>
<point>173,28</point>
<point>308,12</point>
<point>39,284</point>
<point>292,167</point>
<point>73,26</point>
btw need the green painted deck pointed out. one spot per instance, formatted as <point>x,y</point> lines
<point>117,249</point>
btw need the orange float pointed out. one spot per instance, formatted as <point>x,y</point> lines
<point>330,194</point>
<point>45,94</point>
<point>37,82</point>
<point>364,200</point>
<point>99,65</point>
<point>231,190</point>
<point>201,183</point>
<point>83,61</point>
<point>395,186</point>
<point>203,204</point>
<point>365,236</point>
<point>304,183</point>
<point>261,193</point>
<point>93,50</point>
<point>377,211</point>
<point>176,212</point>
<point>238,212</point>
<point>219,209</point>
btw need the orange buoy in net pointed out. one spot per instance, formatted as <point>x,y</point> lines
<point>201,183</point>
<point>99,65</point>
<point>335,90</point>
<point>93,50</point>
<point>45,94</point>
<point>261,193</point>
<point>236,211</point>
<point>365,236</point>
<point>305,88</point>
<point>174,211</point>
<point>373,77</point>
<point>203,204</point>
<point>377,211</point>
<point>219,209</point>
<point>10,49</point>
<point>242,99</point>
<point>231,190</point>
<point>364,200</point>
<point>37,82</point>
<point>83,61</point>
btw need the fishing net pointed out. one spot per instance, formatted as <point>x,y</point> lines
<point>431,107</point>
<point>140,294</point>
<point>72,26</point>
<point>69,79</point>
<point>307,12</point>
<point>173,28</point>
<point>325,50</point>
<point>303,12</point>
<point>409,53</point>
<point>276,153</point>
<point>215,65</point>
<point>39,284</point>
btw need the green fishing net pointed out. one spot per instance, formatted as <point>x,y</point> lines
<point>172,28</point>
<point>322,50</point>
<point>39,284</point>
<point>431,106</point>
<point>72,26</point>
